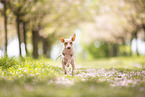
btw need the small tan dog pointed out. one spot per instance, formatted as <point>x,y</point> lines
<point>68,53</point>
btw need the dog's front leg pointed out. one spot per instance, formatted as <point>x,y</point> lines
<point>63,66</point>
<point>73,67</point>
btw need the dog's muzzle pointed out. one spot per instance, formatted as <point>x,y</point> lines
<point>68,47</point>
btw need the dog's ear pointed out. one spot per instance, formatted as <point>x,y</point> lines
<point>73,38</point>
<point>62,40</point>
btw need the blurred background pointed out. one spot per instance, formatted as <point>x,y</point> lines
<point>103,28</point>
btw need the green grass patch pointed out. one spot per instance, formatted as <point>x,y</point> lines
<point>106,77</point>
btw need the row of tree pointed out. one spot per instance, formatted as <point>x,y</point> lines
<point>118,23</point>
<point>133,12</point>
<point>37,16</point>
<point>40,21</point>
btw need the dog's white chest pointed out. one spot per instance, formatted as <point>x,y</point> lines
<point>68,54</point>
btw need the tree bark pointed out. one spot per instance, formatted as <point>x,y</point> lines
<point>144,31</point>
<point>130,45</point>
<point>114,50</point>
<point>18,32</point>
<point>144,34</point>
<point>25,37</point>
<point>135,35</point>
<point>35,43</point>
<point>117,49</point>
<point>49,49</point>
<point>5,21</point>
<point>124,44</point>
<point>46,48</point>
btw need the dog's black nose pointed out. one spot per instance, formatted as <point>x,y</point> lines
<point>68,47</point>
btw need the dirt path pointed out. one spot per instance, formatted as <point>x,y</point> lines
<point>114,77</point>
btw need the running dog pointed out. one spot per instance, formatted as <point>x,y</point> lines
<point>68,53</point>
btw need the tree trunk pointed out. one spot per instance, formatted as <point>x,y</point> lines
<point>115,50</point>
<point>18,32</point>
<point>48,53</point>
<point>5,21</point>
<point>144,32</point>
<point>49,49</point>
<point>130,45</point>
<point>135,35</point>
<point>124,51</point>
<point>144,36</point>
<point>46,48</point>
<point>124,44</point>
<point>35,43</point>
<point>25,37</point>
<point>112,50</point>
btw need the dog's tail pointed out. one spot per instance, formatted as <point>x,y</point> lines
<point>58,57</point>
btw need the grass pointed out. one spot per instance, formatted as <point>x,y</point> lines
<point>112,77</point>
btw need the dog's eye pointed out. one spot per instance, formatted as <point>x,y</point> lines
<point>66,43</point>
<point>70,42</point>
